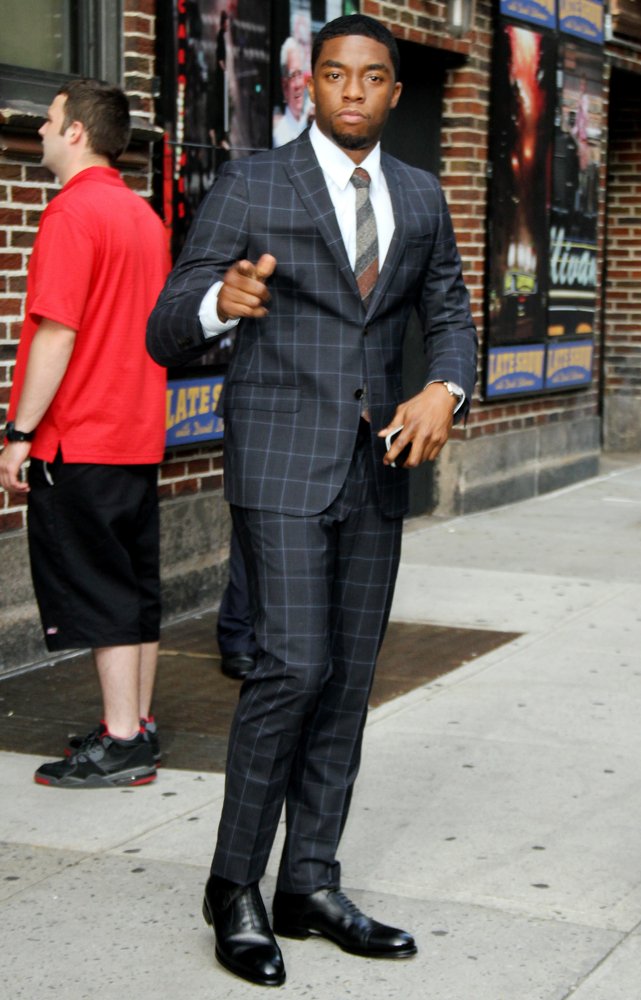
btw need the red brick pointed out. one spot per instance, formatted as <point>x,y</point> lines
<point>135,25</point>
<point>23,238</point>
<point>10,217</point>
<point>185,486</point>
<point>10,262</point>
<point>27,195</point>
<point>10,172</point>
<point>12,521</point>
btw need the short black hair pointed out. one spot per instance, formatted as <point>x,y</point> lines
<point>104,112</point>
<point>358,24</point>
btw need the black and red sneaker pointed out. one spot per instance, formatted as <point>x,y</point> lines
<point>148,726</point>
<point>102,762</point>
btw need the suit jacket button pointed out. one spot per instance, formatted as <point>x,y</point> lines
<point>365,332</point>
<point>358,394</point>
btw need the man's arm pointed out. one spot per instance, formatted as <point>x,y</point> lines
<point>450,347</point>
<point>49,356</point>
<point>216,241</point>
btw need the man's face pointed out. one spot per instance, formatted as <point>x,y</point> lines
<point>353,89</point>
<point>54,147</point>
<point>294,84</point>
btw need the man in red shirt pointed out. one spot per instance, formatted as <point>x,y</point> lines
<point>87,409</point>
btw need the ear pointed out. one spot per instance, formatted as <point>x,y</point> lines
<point>311,89</point>
<point>396,93</point>
<point>75,132</point>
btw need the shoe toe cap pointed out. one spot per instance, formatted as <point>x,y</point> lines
<point>391,940</point>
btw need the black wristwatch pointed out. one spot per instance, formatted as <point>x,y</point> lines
<point>12,434</point>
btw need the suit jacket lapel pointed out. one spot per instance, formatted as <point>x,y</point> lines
<point>307,178</point>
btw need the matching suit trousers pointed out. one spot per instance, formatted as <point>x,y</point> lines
<point>321,589</point>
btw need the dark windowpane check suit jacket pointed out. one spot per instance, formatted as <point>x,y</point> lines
<point>292,409</point>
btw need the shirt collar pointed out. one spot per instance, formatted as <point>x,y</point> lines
<point>337,164</point>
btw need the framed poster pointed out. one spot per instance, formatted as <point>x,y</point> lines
<point>519,199</point>
<point>574,213</point>
<point>221,50</point>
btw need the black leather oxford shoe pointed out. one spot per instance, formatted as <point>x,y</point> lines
<point>244,941</point>
<point>330,913</point>
<point>237,665</point>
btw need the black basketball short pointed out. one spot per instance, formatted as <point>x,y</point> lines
<point>94,548</point>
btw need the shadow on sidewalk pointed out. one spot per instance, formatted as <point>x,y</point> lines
<point>194,701</point>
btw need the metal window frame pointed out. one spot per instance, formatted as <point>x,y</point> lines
<point>93,46</point>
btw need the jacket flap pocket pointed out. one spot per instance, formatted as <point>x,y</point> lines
<point>251,396</point>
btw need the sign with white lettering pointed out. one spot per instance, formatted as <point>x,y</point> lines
<point>191,410</point>
<point>575,192</point>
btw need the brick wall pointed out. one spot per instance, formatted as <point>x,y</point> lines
<point>622,288</point>
<point>24,191</point>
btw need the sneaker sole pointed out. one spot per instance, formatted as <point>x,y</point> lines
<point>128,779</point>
<point>69,751</point>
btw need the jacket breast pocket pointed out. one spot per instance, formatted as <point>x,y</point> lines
<point>418,244</point>
<point>416,253</point>
<point>273,398</point>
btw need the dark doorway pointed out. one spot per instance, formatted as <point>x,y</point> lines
<point>413,134</point>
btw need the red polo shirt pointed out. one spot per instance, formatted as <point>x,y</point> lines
<point>99,262</point>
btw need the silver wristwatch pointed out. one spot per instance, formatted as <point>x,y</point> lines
<point>455,390</point>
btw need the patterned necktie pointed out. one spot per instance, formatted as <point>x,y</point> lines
<point>366,268</point>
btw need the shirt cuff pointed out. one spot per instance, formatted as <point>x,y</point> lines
<point>208,314</point>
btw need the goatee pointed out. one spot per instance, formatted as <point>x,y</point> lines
<point>351,141</point>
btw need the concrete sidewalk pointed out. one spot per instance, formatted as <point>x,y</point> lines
<point>497,816</point>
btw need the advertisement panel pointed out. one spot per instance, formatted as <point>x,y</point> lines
<point>575,206</point>
<point>519,198</point>
<point>545,156</point>
<point>222,94</point>
<point>294,110</point>
<point>222,51</point>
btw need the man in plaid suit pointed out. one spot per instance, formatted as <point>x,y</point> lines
<point>312,391</point>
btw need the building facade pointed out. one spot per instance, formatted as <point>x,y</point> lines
<point>545,207</point>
